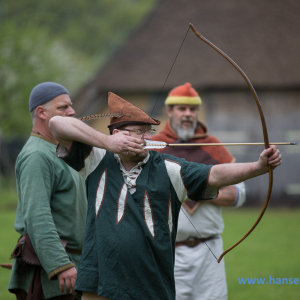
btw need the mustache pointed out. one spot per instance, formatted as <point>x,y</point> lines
<point>184,119</point>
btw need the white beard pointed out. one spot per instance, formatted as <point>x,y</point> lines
<point>185,134</point>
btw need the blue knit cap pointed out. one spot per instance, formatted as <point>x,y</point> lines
<point>45,92</point>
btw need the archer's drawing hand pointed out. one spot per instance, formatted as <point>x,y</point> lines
<point>270,156</point>
<point>67,279</point>
<point>123,143</point>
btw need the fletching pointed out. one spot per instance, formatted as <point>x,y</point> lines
<point>99,116</point>
<point>154,144</point>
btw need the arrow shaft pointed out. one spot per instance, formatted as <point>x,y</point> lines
<point>158,145</point>
<point>229,144</point>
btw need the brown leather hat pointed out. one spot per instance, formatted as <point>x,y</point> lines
<point>133,114</point>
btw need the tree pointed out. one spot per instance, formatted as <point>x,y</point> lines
<point>64,42</point>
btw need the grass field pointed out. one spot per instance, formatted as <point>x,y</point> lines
<point>8,240</point>
<point>271,250</point>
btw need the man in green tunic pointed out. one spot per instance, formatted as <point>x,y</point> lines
<point>134,198</point>
<point>52,204</point>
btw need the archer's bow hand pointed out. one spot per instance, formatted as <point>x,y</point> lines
<point>270,156</point>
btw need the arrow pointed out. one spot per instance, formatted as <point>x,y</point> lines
<point>160,145</point>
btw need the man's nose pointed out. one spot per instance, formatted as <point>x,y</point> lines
<point>70,111</point>
<point>187,112</point>
<point>147,135</point>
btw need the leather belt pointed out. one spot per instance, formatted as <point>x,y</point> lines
<point>193,242</point>
<point>74,251</point>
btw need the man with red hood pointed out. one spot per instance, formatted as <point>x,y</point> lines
<point>197,275</point>
<point>134,198</point>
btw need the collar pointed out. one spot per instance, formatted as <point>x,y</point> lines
<point>37,134</point>
<point>139,164</point>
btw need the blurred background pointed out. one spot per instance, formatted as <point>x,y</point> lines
<point>128,47</point>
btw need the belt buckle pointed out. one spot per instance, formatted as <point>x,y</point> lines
<point>190,242</point>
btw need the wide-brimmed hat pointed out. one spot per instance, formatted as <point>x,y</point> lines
<point>133,115</point>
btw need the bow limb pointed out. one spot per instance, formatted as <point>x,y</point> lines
<point>265,134</point>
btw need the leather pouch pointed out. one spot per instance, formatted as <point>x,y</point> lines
<point>25,250</point>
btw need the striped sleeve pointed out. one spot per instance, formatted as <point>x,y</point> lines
<point>190,180</point>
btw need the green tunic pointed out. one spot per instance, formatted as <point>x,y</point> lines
<point>129,242</point>
<point>52,206</point>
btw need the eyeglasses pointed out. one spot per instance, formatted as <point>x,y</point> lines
<point>140,131</point>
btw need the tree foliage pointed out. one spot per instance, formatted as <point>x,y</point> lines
<point>61,41</point>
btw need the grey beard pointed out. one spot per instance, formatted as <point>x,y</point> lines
<point>185,134</point>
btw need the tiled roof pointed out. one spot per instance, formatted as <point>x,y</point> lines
<point>262,37</point>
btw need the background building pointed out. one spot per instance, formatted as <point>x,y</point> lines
<point>261,37</point>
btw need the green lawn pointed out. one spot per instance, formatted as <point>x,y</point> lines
<point>271,250</point>
<point>8,240</point>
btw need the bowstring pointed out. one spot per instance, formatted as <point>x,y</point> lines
<point>199,233</point>
<point>150,117</point>
<point>169,71</point>
<point>179,203</point>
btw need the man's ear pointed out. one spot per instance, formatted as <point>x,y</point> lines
<point>118,130</point>
<point>40,112</point>
<point>169,110</point>
<point>115,131</point>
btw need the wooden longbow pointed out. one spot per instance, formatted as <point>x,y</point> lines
<point>265,134</point>
<point>263,122</point>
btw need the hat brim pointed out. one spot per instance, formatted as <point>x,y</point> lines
<point>177,100</point>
